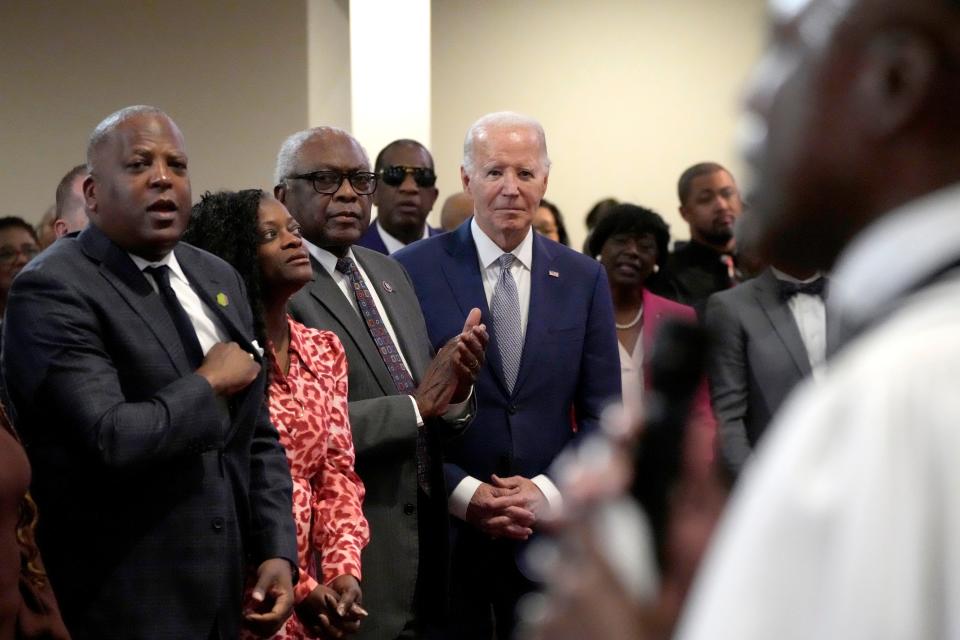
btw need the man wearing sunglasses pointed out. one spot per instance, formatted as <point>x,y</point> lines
<point>405,194</point>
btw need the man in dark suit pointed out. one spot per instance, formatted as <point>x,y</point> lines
<point>770,333</point>
<point>403,405</point>
<point>404,197</point>
<point>139,395</point>
<point>553,364</point>
<point>710,204</point>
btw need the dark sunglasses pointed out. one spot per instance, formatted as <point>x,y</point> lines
<point>395,175</point>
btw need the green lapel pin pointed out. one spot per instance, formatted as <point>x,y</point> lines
<point>222,299</point>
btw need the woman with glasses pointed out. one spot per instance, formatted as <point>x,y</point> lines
<point>631,243</point>
<point>307,397</point>
<point>18,246</point>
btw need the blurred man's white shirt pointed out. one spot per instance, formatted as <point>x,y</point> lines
<point>846,525</point>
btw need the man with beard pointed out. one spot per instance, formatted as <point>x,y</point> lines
<point>406,191</point>
<point>846,523</point>
<point>710,204</point>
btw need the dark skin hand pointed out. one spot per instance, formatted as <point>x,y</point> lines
<point>228,368</point>
<point>453,370</point>
<point>271,601</point>
<point>334,611</point>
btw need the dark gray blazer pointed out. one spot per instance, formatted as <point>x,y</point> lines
<point>155,496</point>
<point>758,358</point>
<point>384,427</point>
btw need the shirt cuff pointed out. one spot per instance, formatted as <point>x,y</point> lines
<point>459,411</point>
<point>550,492</point>
<point>459,500</point>
<point>416,411</point>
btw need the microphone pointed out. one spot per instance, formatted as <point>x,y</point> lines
<point>676,370</point>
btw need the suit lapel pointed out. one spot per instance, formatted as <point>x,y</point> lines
<point>545,307</point>
<point>778,312</point>
<point>326,292</point>
<point>462,272</point>
<point>208,289</point>
<point>121,272</point>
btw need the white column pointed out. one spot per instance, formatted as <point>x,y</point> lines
<point>389,72</point>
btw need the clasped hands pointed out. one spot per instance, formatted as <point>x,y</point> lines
<point>454,369</point>
<point>334,611</point>
<point>507,507</point>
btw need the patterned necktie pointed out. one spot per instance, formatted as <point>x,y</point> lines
<point>188,335</point>
<point>816,287</point>
<point>505,310</point>
<point>391,357</point>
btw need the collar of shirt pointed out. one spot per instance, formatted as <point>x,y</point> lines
<point>393,245</point>
<point>896,253</point>
<point>489,252</point>
<point>169,260</point>
<point>786,277</point>
<point>327,260</point>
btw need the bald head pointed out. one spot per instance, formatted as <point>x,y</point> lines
<point>102,132</point>
<point>456,209</point>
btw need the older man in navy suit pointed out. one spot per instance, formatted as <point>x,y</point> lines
<point>551,368</point>
<point>129,357</point>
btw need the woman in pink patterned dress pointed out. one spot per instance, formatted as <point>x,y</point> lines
<point>307,396</point>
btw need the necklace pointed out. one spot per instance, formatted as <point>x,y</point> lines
<point>633,322</point>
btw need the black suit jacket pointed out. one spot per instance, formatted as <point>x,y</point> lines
<point>155,496</point>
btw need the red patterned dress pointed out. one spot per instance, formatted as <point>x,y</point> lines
<point>308,406</point>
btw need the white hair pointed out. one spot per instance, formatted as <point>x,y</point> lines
<point>103,130</point>
<point>502,119</point>
<point>290,150</point>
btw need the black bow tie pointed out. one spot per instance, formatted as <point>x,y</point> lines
<point>816,287</point>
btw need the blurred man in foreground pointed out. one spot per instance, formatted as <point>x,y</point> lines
<point>846,523</point>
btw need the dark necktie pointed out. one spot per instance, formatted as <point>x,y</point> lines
<point>188,335</point>
<point>816,287</point>
<point>391,357</point>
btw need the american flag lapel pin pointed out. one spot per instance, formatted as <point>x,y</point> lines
<point>553,274</point>
<point>387,286</point>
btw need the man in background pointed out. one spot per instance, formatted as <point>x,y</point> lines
<point>710,204</point>
<point>71,212</point>
<point>404,197</point>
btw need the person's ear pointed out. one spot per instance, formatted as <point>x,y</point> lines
<point>896,81</point>
<point>280,193</point>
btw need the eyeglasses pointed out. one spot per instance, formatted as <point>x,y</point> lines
<point>328,182</point>
<point>395,175</point>
<point>8,254</point>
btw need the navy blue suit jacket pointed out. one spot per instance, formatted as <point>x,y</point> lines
<point>371,238</point>
<point>570,369</point>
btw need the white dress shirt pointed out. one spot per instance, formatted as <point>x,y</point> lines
<point>488,253</point>
<point>207,325</point>
<point>810,314</point>
<point>845,527</point>
<point>393,244</point>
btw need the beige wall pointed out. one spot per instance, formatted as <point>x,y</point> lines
<point>630,92</point>
<point>232,74</point>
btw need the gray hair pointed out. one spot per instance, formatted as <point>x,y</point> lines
<point>502,119</point>
<point>103,130</point>
<point>290,150</point>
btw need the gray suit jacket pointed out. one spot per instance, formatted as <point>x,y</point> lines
<point>757,359</point>
<point>384,427</point>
